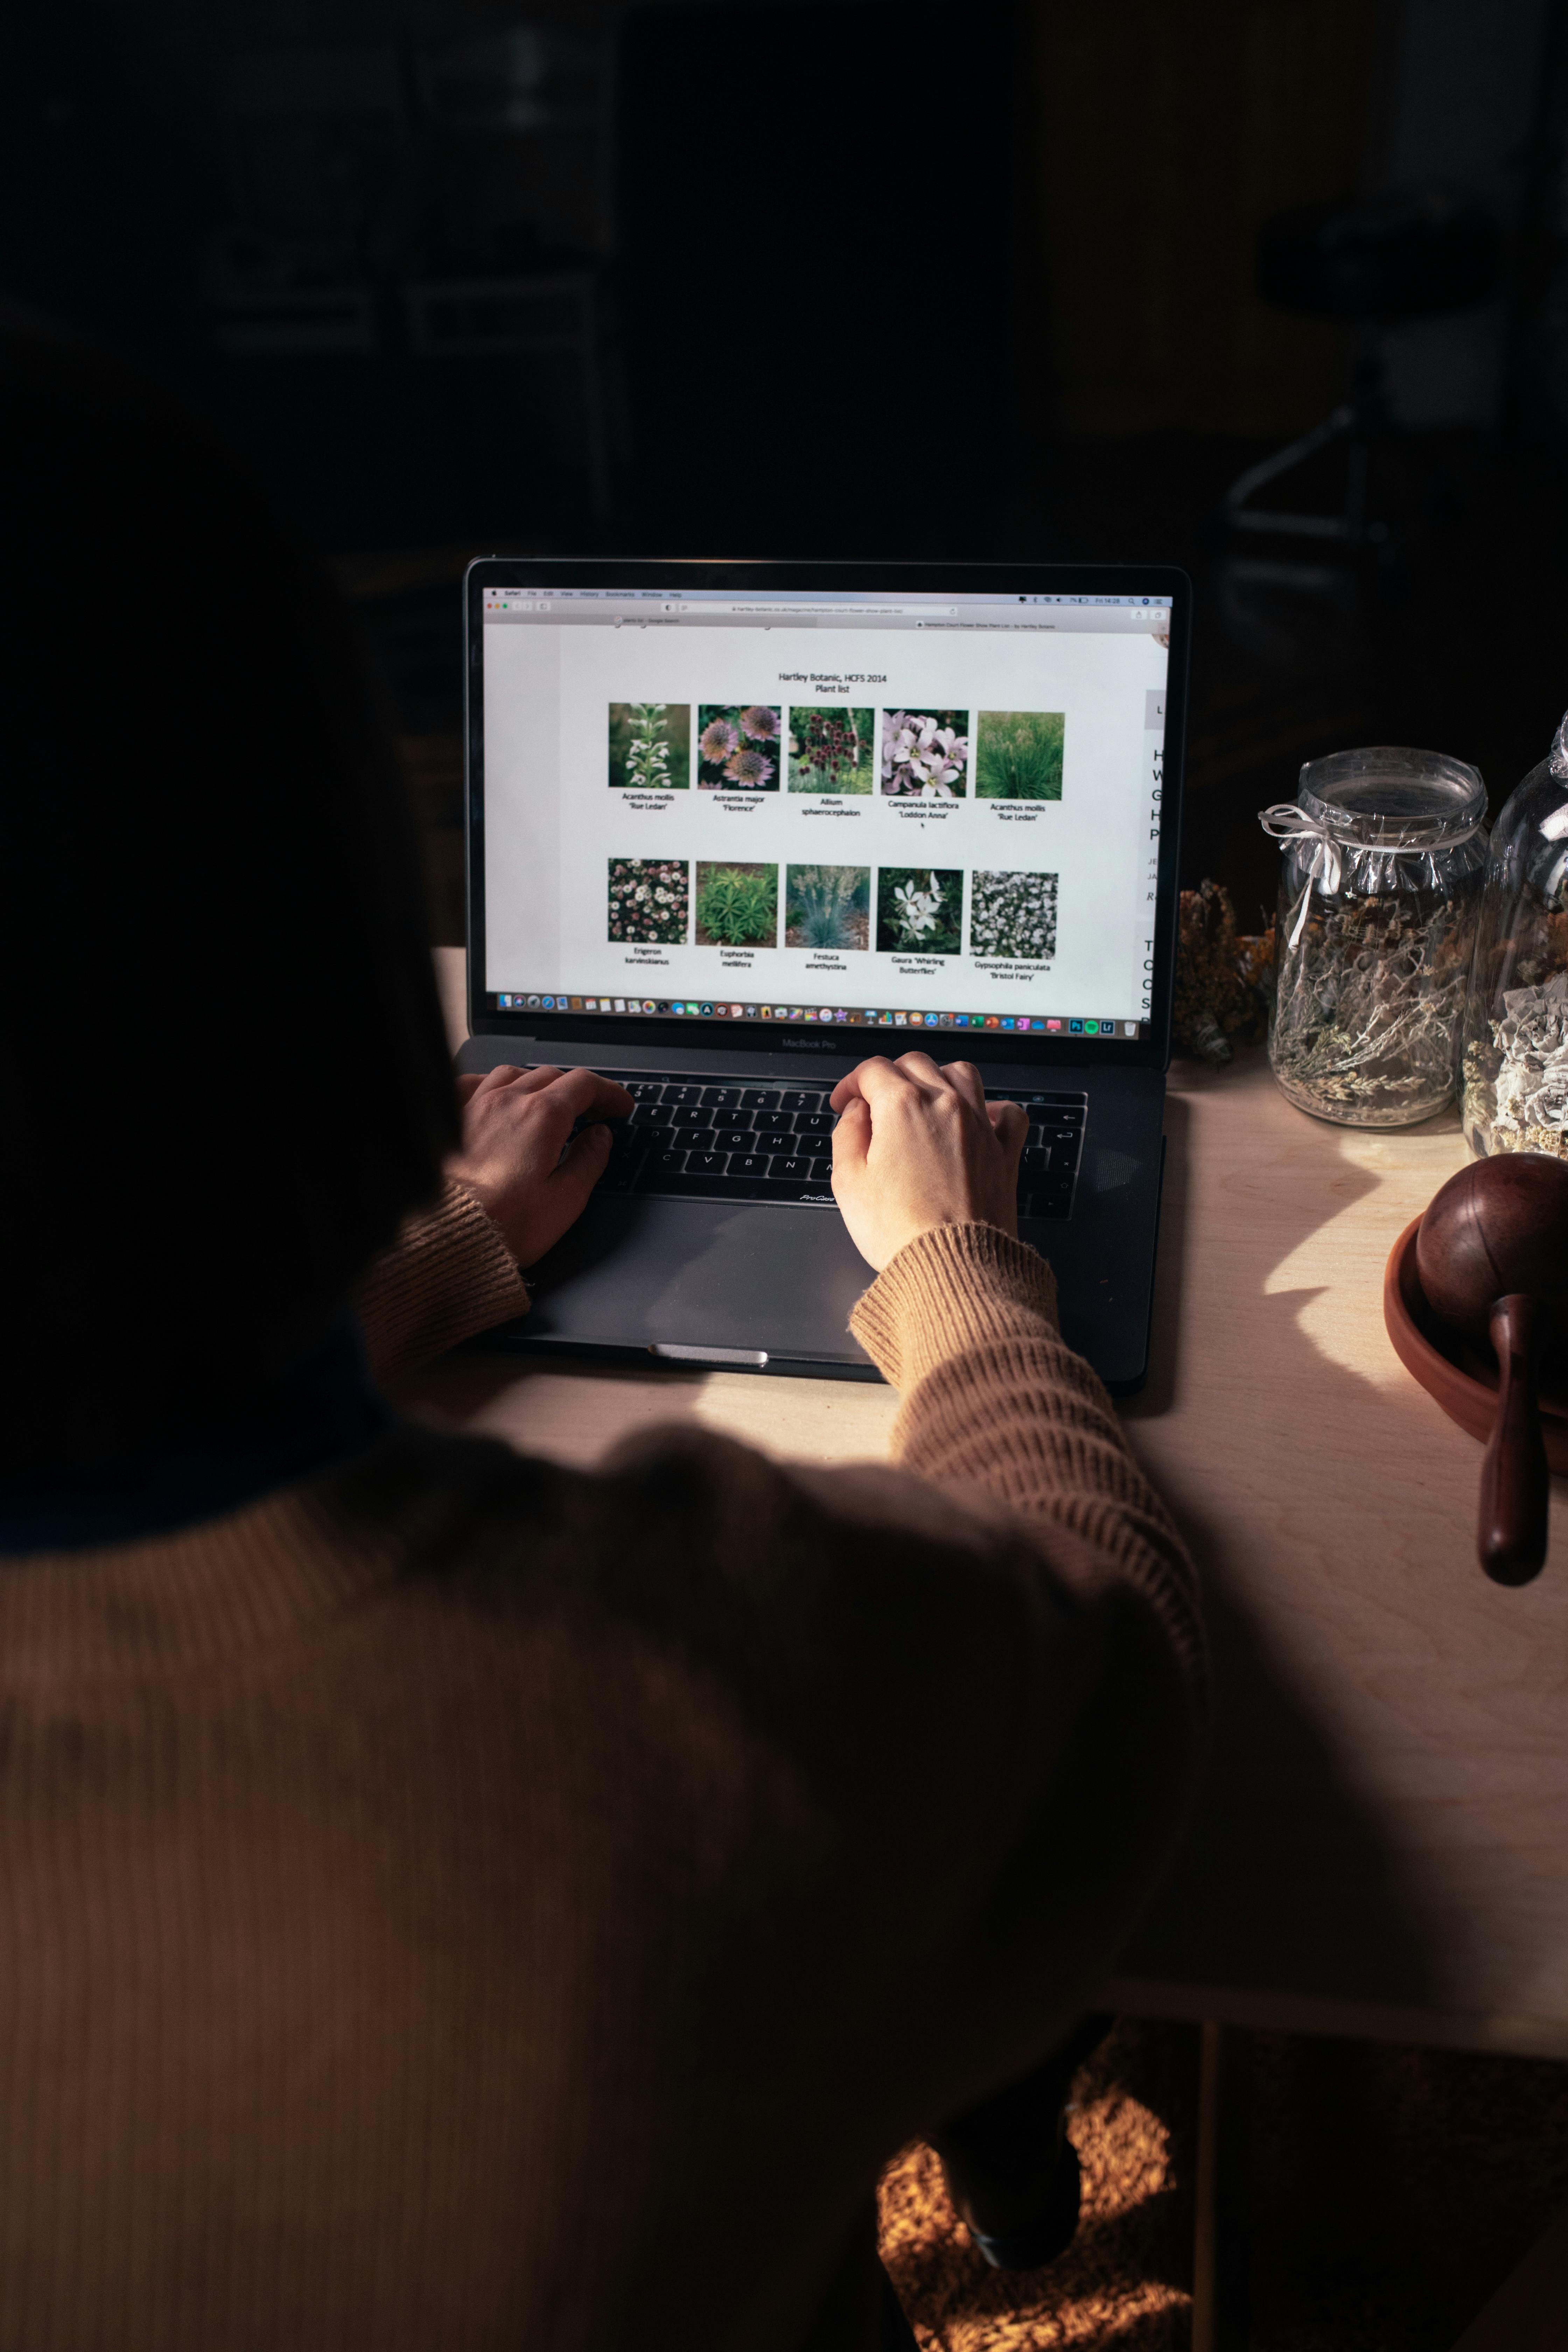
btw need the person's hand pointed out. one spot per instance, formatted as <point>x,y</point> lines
<point>917,1146</point>
<point>520,1158</point>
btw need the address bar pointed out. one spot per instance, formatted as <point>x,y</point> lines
<point>780,609</point>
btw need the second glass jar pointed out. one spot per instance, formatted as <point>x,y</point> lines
<point>1384,853</point>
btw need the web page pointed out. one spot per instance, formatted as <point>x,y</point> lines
<point>920,812</point>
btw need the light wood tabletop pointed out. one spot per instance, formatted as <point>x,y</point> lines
<point>1382,1845</point>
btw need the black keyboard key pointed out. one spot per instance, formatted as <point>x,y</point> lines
<point>776,1140</point>
<point>643,1090</point>
<point>722,1098</point>
<point>1036,1162</point>
<point>732,1139</point>
<point>822,1171</point>
<point>788,1166</point>
<point>690,1113</point>
<point>749,1163</point>
<point>698,1139</point>
<point>654,1139</point>
<point>802,1101</point>
<point>706,1163</point>
<point>814,1122</point>
<point>1055,1119</point>
<point>760,1098</point>
<point>669,1163</point>
<point>676,1091</point>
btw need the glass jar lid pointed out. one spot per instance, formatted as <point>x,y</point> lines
<point>1388,797</point>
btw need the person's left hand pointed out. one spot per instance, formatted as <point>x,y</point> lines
<point>519,1158</point>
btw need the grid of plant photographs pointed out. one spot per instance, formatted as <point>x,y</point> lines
<point>651,746</point>
<point>737,905</point>
<point>920,911</point>
<point>827,907</point>
<point>925,754</point>
<point>738,747</point>
<point>830,749</point>
<point>1018,755</point>
<point>1013,915</point>
<point>649,900</point>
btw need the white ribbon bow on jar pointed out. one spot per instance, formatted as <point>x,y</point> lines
<point>1288,820</point>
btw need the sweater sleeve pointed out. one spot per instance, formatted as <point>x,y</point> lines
<point>448,1275</point>
<point>963,1321</point>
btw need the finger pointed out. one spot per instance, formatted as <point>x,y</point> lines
<point>878,1081</point>
<point>580,1165</point>
<point>965,1079</point>
<point>920,1068</point>
<point>849,1088</point>
<point>584,1091</point>
<point>852,1135</point>
<point>468,1083</point>
<point>1011,1125</point>
<point>507,1073</point>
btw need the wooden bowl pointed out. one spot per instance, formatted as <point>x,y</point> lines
<point>1460,1376</point>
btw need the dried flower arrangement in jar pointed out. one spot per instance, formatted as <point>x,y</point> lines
<point>1516,1023</point>
<point>1384,853</point>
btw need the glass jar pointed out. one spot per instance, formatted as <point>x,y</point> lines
<point>1515,1094</point>
<point>1384,854</point>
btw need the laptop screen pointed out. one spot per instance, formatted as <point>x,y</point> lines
<point>922,809</point>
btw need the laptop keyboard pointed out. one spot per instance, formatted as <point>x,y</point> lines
<point>687,1140</point>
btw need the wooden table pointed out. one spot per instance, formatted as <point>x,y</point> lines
<point>1382,1846</point>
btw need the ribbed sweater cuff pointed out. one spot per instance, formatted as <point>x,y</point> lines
<point>953,1290</point>
<point>448,1275</point>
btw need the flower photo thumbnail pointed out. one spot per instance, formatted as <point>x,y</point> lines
<point>651,900</point>
<point>827,907</point>
<point>738,747</point>
<point>925,754</point>
<point>651,746</point>
<point>920,911</point>
<point>1018,755</point>
<point>737,905</point>
<point>1013,915</point>
<point>830,748</point>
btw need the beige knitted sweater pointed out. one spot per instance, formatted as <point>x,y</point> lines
<point>463,1902</point>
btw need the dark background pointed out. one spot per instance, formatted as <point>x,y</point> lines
<point>841,278</point>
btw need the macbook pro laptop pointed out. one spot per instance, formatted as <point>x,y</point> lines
<point>732,828</point>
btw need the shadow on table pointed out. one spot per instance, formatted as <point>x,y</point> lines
<point>1158,1393</point>
<point>1285,1884</point>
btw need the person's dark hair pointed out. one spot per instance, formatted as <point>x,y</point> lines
<point>225,1077</point>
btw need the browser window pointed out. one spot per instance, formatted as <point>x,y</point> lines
<point>912,810</point>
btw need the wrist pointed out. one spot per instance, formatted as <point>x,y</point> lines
<point>952,1287</point>
<point>485,1197</point>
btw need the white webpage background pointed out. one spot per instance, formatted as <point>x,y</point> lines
<point>553,822</point>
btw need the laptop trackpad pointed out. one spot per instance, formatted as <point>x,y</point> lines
<point>739,1276</point>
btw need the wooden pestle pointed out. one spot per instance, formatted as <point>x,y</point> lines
<point>1492,1255</point>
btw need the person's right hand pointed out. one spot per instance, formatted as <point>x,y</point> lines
<point>917,1146</point>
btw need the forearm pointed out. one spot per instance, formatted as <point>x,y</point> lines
<point>448,1275</point>
<point>963,1321</point>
